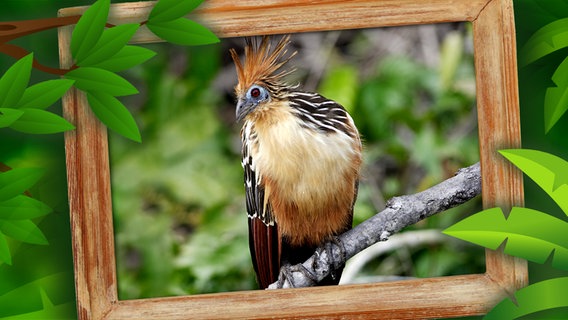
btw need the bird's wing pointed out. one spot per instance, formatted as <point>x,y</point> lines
<point>264,240</point>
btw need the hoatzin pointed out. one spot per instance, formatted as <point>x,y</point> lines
<point>301,155</point>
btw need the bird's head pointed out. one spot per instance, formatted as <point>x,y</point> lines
<point>259,81</point>
<point>249,101</point>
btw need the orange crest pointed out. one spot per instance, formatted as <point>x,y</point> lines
<point>261,64</point>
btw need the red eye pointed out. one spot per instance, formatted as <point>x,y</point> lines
<point>255,93</point>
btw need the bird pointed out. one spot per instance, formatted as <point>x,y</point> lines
<point>301,157</point>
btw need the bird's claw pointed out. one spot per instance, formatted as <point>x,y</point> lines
<point>286,274</point>
<point>336,264</point>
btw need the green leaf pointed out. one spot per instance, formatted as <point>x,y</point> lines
<point>16,181</point>
<point>183,32</point>
<point>114,115</point>
<point>556,98</point>
<point>14,81</point>
<point>5,251</point>
<point>44,94</point>
<point>22,230</point>
<point>530,234</point>
<point>8,116</point>
<point>22,207</point>
<point>89,29</point>
<point>168,10</point>
<point>98,80</point>
<point>111,41</point>
<point>37,121</point>
<point>126,58</point>
<point>548,171</point>
<point>537,297</point>
<point>550,38</point>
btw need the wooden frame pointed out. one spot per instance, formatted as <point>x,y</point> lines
<point>499,127</point>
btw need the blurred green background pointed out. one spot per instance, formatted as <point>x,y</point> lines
<point>178,198</point>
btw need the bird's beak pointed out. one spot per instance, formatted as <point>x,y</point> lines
<point>244,107</point>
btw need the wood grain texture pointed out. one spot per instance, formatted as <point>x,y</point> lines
<point>249,17</point>
<point>499,126</point>
<point>412,299</point>
<point>88,178</point>
<point>498,111</point>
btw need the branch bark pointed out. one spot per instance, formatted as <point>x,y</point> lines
<point>399,213</point>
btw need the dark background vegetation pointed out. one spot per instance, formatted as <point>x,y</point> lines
<point>178,197</point>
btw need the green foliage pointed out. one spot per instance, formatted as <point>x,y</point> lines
<point>22,230</point>
<point>14,82</point>
<point>37,121</point>
<point>168,10</point>
<point>44,94</point>
<point>99,80</point>
<point>89,29</point>
<point>548,171</point>
<point>22,106</point>
<point>182,31</point>
<point>126,58</point>
<point>548,39</point>
<point>22,207</point>
<point>167,22</point>
<point>540,296</point>
<point>16,210</point>
<point>527,233</point>
<point>405,96</point>
<point>114,114</point>
<point>111,41</point>
<point>100,52</point>
<point>9,116</point>
<point>556,98</point>
<point>16,182</point>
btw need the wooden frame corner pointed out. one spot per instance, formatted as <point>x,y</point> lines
<point>499,127</point>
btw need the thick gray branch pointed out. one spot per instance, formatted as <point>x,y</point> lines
<point>399,213</point>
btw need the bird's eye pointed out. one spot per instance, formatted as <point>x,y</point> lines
<point>255,92</point>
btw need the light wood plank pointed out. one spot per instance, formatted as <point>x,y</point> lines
<point>88,178</point>
<point>249,17</point>
<point>412,299</point>
<point>499,126</point>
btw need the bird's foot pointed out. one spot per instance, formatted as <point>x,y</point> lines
<point>337,264</point>
<point>287,275</point>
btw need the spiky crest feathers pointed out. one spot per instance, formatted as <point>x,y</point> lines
<point>261,63</point>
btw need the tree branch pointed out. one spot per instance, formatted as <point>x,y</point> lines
<point>399,213</point>
<point>17,29</point>
<point>18,53</point>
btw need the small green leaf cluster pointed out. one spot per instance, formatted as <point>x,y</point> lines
<point>168,22</point>
<point>17,210</point>
<point>99,52</point>
<point>22,108</point>
<point>530,234</point>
